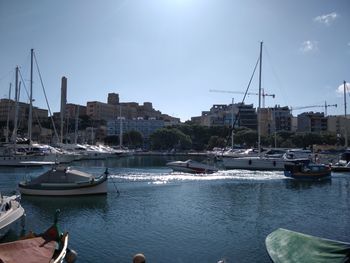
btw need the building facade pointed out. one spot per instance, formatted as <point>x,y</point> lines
<point>312,122</point>
<point>145,127</point>
<point>239,114</point>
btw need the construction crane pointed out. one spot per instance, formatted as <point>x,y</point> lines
<point>325,106</point>
<point>263,94</point>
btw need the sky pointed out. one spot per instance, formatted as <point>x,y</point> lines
<point>173,52</point>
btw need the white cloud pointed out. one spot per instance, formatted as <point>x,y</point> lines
<point>309,46</point>
<point>340,89</point>
<point>327,19</point>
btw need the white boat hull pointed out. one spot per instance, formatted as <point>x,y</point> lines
<point>254,163</point>
<point>190,166</point>
<point>11,218</point>
<point>25,160</point>
<point>88,190</point>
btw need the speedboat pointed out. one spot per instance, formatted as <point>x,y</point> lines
<point>343,165</point>
<point>307,171</point>
<point>51,246</point>
<point>293,247</point>
<point>62,180</point>
<point>191,166</point>
<point>11,213</point>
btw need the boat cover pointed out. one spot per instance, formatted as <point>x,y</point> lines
<point>62,174</point>
<point>30,250</point>
<point>285,246</point>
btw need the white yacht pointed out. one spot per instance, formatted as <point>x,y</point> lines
<point>11,213</point>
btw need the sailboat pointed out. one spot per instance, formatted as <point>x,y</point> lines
<point>258,162</point>
<point>13,154</point>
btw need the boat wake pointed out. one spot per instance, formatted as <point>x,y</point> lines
<point>165,176</point>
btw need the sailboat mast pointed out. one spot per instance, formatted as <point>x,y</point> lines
<point>15,122</point>
<point>8,115</point>
<point>76,125</point>
<point>345,98</point>
<point>259,115</point>
<point>30,117</point>
<point>346,130</point>
<point>120,127</point>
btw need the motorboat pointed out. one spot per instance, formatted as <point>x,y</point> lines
<point>191,166</point>
<point>51,246</point>
<point>62,180</point>
<point>307,171</point>
<point>289,246</point>
<point>267,161</point>
<point>343,165</point>
<point>11,213</point>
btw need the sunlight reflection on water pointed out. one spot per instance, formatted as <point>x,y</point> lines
<point>165,177</point>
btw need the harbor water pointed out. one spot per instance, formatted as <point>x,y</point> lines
<point>177,217</point>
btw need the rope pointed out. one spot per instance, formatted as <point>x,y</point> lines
<point>115,186</point>
<point>47,103</point>
<point>245,95</point>
<point>25,87</point>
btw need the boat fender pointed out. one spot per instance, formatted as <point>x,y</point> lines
<point>71,256</point>
<point>250,162</point>
<point>274,163</point>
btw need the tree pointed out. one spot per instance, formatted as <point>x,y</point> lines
<point>133,139</point>
<point>246,137</point>
<point>111,140</point>
<point>216,141</point>
<point>170,138</point>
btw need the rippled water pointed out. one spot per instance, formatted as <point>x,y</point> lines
<point>178,217</point>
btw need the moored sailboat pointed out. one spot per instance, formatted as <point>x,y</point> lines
<point>258,162</point>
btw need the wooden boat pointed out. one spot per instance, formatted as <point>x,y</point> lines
<point>11,213</point>
<point>307,171</point>
<point>191,166</point>
<point>50,247</point>
<point>285,246</point>
<point>62,181</point>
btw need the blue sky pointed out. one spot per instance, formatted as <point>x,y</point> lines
<point>172,52</point>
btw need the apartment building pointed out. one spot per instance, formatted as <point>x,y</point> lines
<point>145,127</point>
<point>312,122</point>
<point>239,114</point>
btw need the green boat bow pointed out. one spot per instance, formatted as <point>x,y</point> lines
<point>285,246</point>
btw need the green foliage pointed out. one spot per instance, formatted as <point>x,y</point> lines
<point>112,140</point>
<point>200,135</point>
<point>246,137</point>
<point>133,139</point>
<point>216,141</point>
<point>170,138</point>
<point>306,139</point>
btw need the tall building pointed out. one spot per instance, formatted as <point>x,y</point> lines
<point>239,114</point>
<point>128,110</point>
<point>113,99</point>
<point>100,110</point>
<point>312,122</point>
<point>7,112</point>
<point>72,109</point>
<point>275,119</point>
